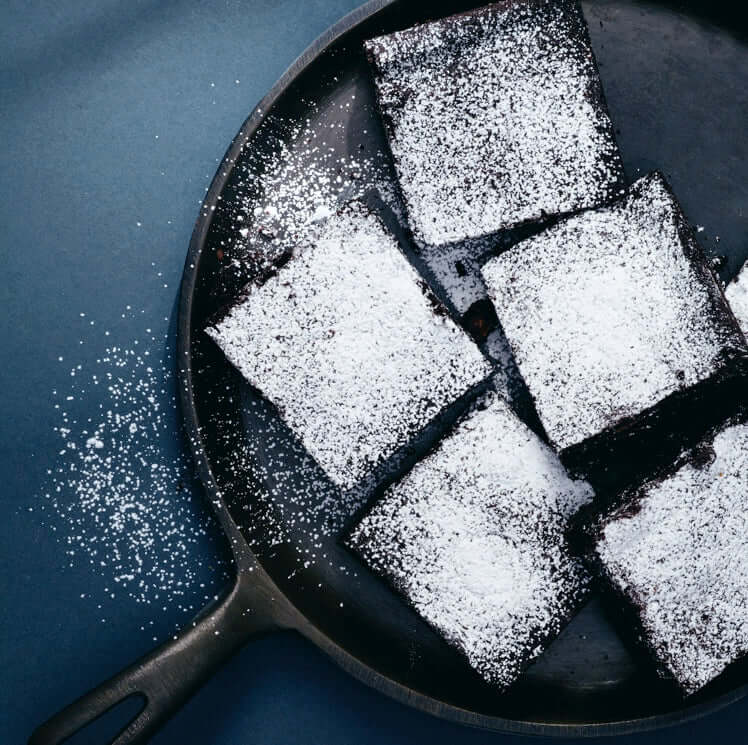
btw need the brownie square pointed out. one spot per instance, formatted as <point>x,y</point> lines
<point>737,296</point>
<point>350,346</point>
<point>495,117</point>
<point>675,554</point>
<point>619,328</point>
<point>473,538</point>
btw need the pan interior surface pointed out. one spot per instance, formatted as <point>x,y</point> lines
<point>675,79</point>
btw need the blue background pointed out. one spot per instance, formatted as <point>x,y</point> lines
<point>86,87</point>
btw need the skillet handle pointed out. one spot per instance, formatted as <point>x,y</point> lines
<point>169,675</point>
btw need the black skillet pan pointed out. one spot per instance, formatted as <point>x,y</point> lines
<point>676,78</point>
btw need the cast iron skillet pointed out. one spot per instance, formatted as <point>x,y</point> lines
<point>676,78</point>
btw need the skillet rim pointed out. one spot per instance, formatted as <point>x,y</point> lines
<point>245,558</point>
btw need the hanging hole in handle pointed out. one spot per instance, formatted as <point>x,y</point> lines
<point>110,723</point>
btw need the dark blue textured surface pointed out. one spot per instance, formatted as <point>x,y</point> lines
<point>86,88</point>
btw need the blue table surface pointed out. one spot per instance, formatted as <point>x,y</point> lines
<point>114,116</point>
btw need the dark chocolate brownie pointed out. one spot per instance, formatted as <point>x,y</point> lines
<point>620,330</point>
<point>495,118</point>
<point>473,538</point>
<point>351,347</point>
<point>675,555</point>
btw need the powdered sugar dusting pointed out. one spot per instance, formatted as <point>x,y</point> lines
<point>683,560</point>
<point>737,296</point>
<point>473,537</point>
<point>607,314</point>
<point>346,344</point>
<point>495,117</point>
<point>120,497</point>
<point>298,175</point>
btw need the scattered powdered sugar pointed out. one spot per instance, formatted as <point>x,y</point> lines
<point>611,311</point>
<point>347,344</point>
<point>495,117</point>
<point>681,557</point>
<point>473,537</point>
<point>737,296</point>
<point>294,173</point>
<point>121,496</point>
